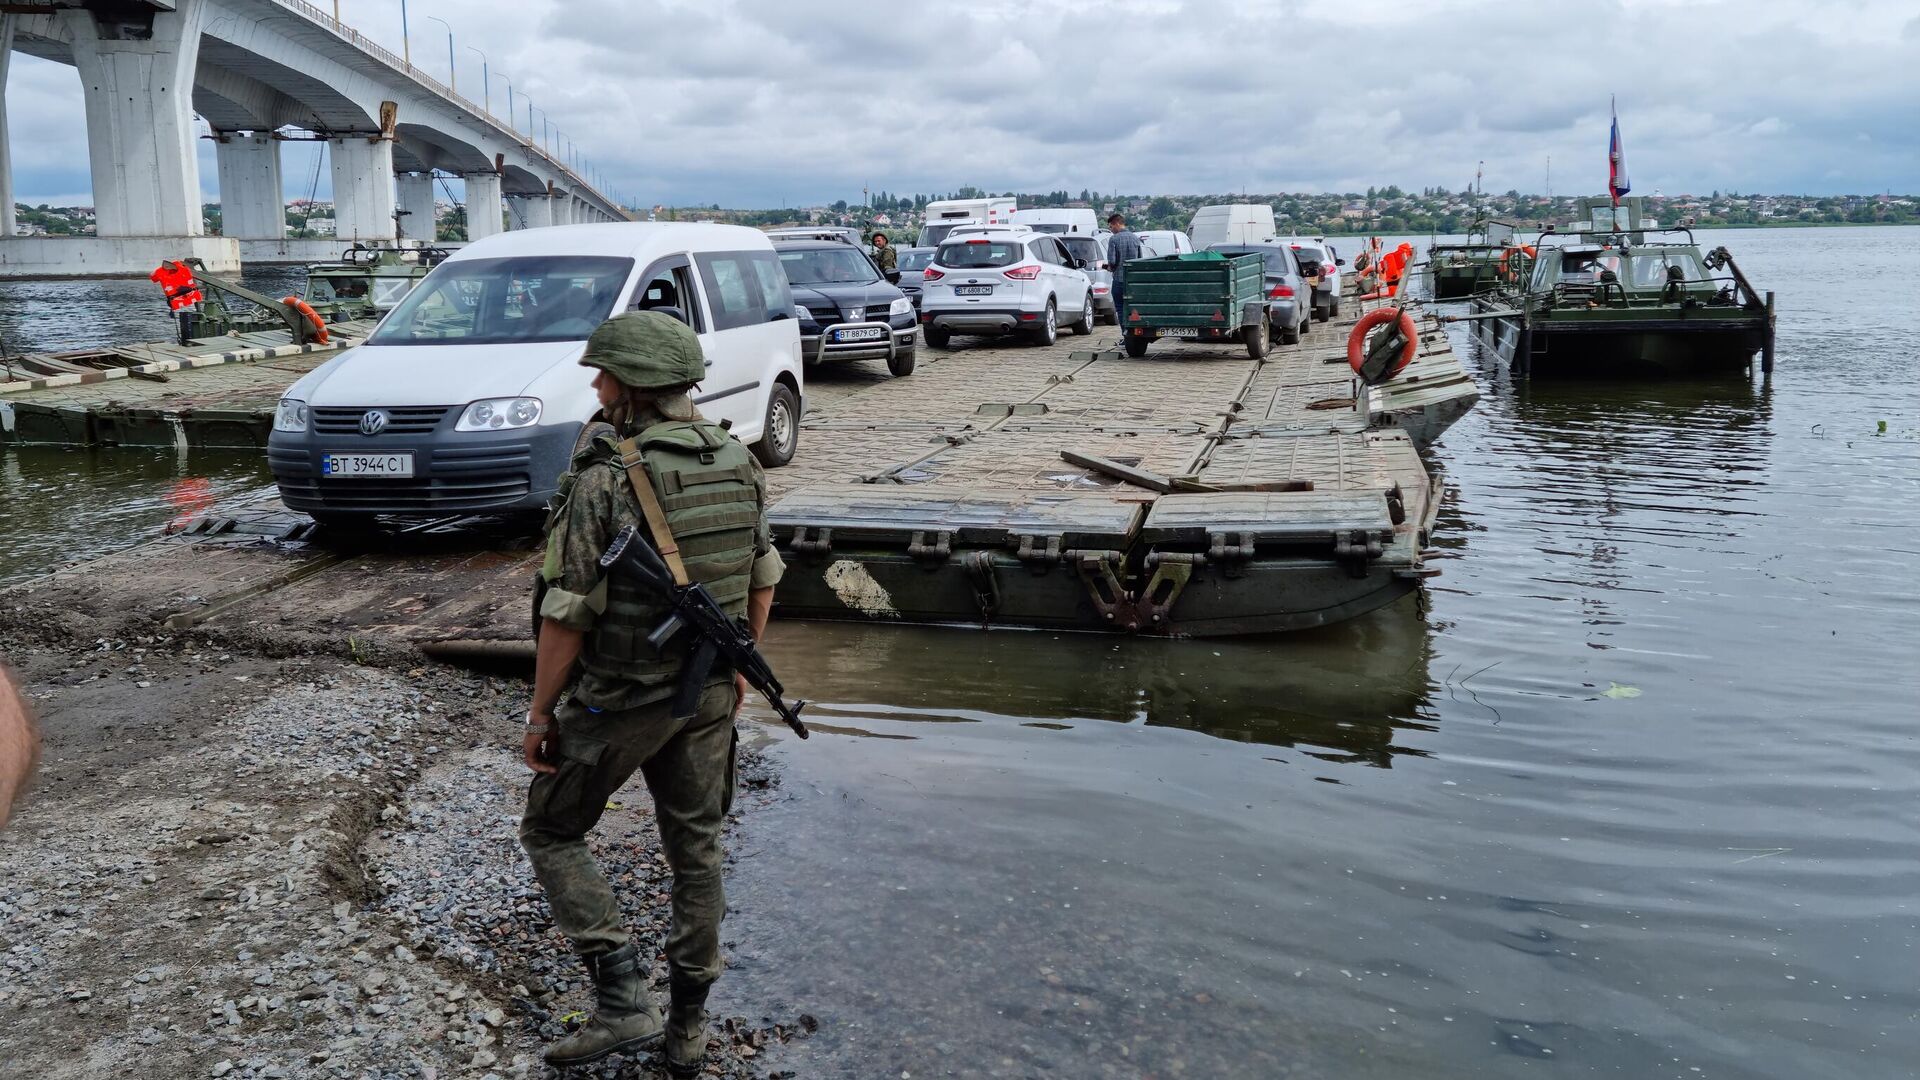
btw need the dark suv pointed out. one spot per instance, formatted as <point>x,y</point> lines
<point>847,310</point>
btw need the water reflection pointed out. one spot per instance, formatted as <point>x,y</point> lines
<point>67,505</point>
<point>1342,694</point>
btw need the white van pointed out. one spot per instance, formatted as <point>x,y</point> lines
<point>469,397</point>
<point>1157,242</point>
<point>942,215</point>
<point>1239,223</point>
<point>1061,221</point>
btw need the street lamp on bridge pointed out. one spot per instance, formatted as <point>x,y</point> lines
<point>486,85</point>
<point>453,76</point>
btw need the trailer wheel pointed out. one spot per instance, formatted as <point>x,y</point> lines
<point>1137,346</point>
<point>1256,339</point>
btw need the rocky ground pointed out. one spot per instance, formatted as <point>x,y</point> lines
<point>250,866</point>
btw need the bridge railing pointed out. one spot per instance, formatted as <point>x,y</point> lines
<point>372,48</point>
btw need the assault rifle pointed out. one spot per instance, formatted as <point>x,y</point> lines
<point>716,635</point>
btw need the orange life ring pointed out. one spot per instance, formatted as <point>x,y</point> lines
<point>1514,274</point>
<point>313,318</point>
<point>1357,339</point>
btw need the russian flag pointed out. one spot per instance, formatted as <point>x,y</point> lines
<point>1617,182</point>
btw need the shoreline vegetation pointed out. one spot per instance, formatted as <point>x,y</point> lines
<point>1388,211</point>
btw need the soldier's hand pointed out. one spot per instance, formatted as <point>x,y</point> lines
<point>540,748</point>
<point>740,688</point>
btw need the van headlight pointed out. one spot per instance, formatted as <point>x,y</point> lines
<point>290,416</point>
<point>902,306</point>
<point>495,413</point>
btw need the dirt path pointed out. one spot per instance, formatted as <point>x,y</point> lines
<point>240,866</point>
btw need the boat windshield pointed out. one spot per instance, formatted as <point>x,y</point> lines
<point>499,301</point>
<point>328,288</point>
<point>1635,270</point>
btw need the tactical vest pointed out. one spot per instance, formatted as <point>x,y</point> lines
<point>705,480</point>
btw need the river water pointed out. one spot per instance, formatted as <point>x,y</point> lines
<point>1630,791</point>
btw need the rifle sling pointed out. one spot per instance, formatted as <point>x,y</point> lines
<point>650,508</point>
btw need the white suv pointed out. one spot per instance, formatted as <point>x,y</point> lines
<point>1001,281</point>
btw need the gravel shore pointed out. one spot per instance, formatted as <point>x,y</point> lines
<point>242,866</point>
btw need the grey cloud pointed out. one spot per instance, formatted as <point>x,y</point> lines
<point>747,102</point>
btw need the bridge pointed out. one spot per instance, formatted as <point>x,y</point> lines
<point>261,73</point>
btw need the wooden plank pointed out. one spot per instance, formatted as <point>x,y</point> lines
<point>1152,481</point>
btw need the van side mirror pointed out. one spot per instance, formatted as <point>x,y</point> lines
<point>1339,262</point>
<point>1079,264</point>
<point>893,277</point>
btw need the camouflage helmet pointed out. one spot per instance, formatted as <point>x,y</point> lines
<point>646,350</point>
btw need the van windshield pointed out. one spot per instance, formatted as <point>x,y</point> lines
<point>931,235</point>
<point>1057,228</point>
<point>497,301</point>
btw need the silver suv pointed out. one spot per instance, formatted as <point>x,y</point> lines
<point>1004,280</point>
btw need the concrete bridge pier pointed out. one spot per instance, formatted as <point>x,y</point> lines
<point>252,205</point>
<point>416,198</point>
<point>539,211</point>
<point>363,201</point>
<point>483,205</point>
<point>136,81</point>
<point>8,225</point>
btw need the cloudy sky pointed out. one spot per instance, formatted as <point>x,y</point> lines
<point>765,102</point>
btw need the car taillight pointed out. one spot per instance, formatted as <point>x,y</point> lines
<point>930,274</point>
<point>1024,273</point>
<point>1280,292</point>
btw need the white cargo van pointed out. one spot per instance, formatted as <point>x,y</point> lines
<point>469,397</point>
<point>1239,223</point>
<point>943,215</point>
<point>1060,221</point>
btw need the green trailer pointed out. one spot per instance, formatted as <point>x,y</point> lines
<point>1202,296</point>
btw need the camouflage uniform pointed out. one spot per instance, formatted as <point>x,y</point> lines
<point>608,728</point>
<point>886,258</point>
<point>619,717</point>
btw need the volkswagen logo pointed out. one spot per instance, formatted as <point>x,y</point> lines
<point>373,422</point>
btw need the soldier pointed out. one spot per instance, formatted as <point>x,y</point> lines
<point>887,259</point>
<point>617,718</point>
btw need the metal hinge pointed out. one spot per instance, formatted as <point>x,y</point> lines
<point>936,552</point>
<point>1035,556</point>
<point>819,543</point>
<point>1356,548</point>
<point>1230,551</point>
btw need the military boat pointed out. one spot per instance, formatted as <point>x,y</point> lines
<point>1616,294</point>
<point>367,280</point>
<point>1457,271</point>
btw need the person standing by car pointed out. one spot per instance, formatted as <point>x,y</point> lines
<point>885,257</point>
<point>1121,246</point>
<point>703,486</point>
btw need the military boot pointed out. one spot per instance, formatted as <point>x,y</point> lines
<point>686,1034</point>
<point>624,1017</point>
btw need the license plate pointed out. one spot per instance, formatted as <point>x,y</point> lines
<point>1179,331</point>
<point>860,333</point>
<point>973,290</point>
<point>367,465</point>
